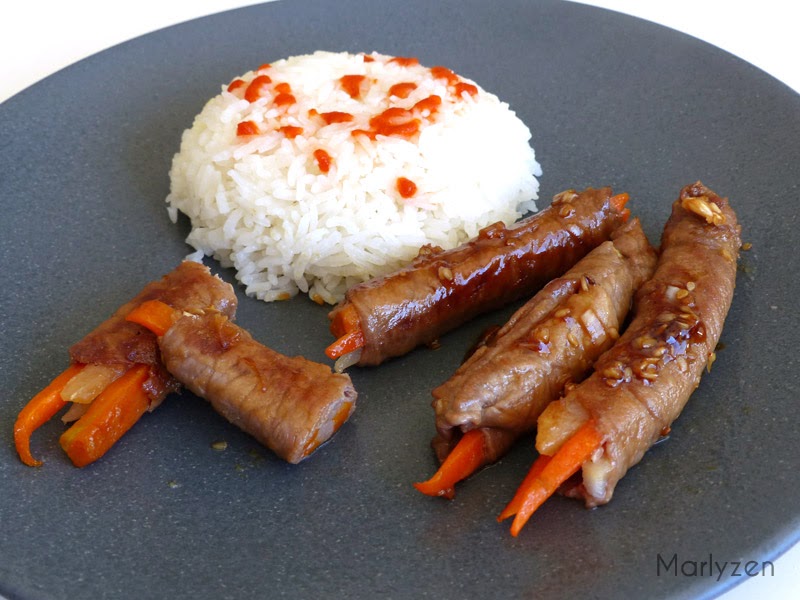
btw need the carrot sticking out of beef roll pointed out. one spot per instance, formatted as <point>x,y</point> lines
<point>290,404</point>
<point>603,426</point>
<point>389,316</point>
<point>501,389</point>
<point>101,361</point>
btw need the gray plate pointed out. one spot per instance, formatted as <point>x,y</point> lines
<point>610,100</point>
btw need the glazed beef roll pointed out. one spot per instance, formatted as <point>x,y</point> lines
<point>551,341</point>
<point>389,316</point>
<point>640,386</point>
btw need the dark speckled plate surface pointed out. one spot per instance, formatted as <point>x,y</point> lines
<point>84,157</point>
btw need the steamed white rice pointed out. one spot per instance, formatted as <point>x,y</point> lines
<point>261,203</point>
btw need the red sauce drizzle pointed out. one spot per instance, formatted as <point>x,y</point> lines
<point>257,88</point>
<point>352,85</point>
<point>247,128</point>
<point>405,61</point>
<point>368,58</point>
<point>336,117</point>
<point>394,121</point>
<point>290,131</point>
<point>284,99</point>
<point>263,67</point>
<point>283,88</point>
<point>235,84</point>
<point>323,159</point>
<point>406,187</point>
<point>463,86</point>
<point>444,73</point>
<point>402,90</point>
<point>430,104</point>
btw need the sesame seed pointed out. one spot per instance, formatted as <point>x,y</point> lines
<point>445,273</point>
<point>561,313</point>
<point>564,196</point>
<point>681,294</point>
<point>690,285</point>
<point>572,339</point>
<point>566,210</point>
<point>541,335</point>
<point>702,207</point>
<point>645,342</point>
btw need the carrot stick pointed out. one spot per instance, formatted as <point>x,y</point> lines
<point>519,498</point>
<point>618,201</point>
<point>344,345</point>
<point>155,315</point>
<point>112,413</point>
<point>468,455</point>
<point>41,408</point>
<point>346,326</point>
<point>564,463</point>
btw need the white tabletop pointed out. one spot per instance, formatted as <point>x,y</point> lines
<point>39,37</point>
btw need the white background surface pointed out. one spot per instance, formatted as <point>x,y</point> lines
<point>39,37</point>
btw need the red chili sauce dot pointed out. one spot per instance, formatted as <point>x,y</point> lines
<point>247,128</point>
<point>368,58</point>
<point>235,84</point>
<point>444,73</point>
<point>402,90</point>
<point>284,99</point>
<point>405,61</point>
<point>463,86</point>
<point>323,159</point>
<point>406,187</point>
<point>290,131</point>
<point>430,104</point>
<point>336,116</point>
<point>352,85</point>
<point>394,121</point>
<point>263,67</point>
<point>257,88</point>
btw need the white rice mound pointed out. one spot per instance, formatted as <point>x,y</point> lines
<point>261,203</point>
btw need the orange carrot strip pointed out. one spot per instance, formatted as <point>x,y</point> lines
<point>516,502</point>
<point>346,326</point>
<point>565,463</point>
<point>110,415</point>
<point>468,456</point>
<point>345,320</point>
<point>618,201</point>
<point>345,344</point>
<point>41,408</point>
<point>157,316</point>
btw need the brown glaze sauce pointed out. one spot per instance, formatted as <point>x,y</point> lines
<point>664,341</point>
